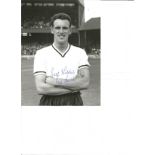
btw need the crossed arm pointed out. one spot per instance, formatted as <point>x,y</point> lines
<point>44,88</point>
<point>51,86</point>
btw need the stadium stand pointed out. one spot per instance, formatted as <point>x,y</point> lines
<point>35,25</point>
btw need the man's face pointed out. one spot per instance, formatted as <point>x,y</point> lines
<point>61,31</point>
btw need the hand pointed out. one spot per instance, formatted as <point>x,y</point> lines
<point>53,81</point>
<point>50,80</point>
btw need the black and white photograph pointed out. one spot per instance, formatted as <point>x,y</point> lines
<point>60,53</point>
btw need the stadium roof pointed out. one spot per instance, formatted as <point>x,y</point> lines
<point>56,1</point>
<point>92,24</point>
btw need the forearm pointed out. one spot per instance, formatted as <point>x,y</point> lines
<point>76,84</point>
<point>47,89</point>
<point>43,88</point>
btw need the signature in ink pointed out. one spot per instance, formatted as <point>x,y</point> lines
<point>67,71</point>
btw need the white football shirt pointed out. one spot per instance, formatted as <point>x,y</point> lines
<point>51,62</point>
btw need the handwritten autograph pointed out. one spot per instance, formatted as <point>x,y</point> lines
<point>65,71</point>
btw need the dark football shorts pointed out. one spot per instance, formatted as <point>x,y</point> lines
<point>71,99</point>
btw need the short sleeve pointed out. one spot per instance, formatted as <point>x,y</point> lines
<point>39,66</point>
<point>83,59</point>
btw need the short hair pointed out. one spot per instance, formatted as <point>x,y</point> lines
<point>62,16</point>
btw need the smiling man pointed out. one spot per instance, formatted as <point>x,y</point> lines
<point>61,70</point>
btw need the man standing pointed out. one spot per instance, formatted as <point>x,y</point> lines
<point>61,70</point>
